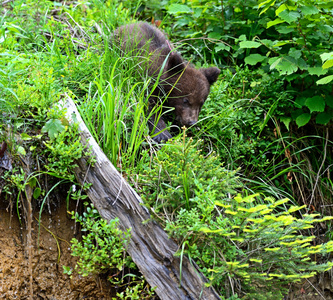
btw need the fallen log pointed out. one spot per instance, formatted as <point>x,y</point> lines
<point>150,248</point>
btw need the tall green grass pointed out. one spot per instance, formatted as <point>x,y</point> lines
<point>116,106</point>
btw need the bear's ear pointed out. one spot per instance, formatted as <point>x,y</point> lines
<point>211,74</point>
<point>175,63</point>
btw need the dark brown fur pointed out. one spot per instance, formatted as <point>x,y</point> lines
<point>186,87</point>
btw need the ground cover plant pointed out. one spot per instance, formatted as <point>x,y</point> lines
<point>44,59</point>
<point>220,188</point>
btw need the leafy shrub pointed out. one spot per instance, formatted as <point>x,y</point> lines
<point>253,241</point>
<point>180,168</point>
<point>104,245</point>
<point>290,39</point>
<point>103,248</point>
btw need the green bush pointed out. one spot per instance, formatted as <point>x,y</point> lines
<point>103,250</point>
<point>104,245</point>
<point>255,241</point>
<point>291,40</point>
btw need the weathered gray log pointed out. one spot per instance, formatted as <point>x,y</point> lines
<point>149,247</point>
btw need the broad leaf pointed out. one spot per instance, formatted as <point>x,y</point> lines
<point>221,46</point>
<point>326,56</point>
<point>281,8</point>
<point>289,16</point>
<point>37,193</point>
<point>249,44</point>
<point>317,71</point>
<point>253,59</point>
<point>309,10</point>
<point>285,29</point>
<point>21,150</point>
<point>329,101</point>
<point>316,103</point>
<point>53,127</point>
<point>325,80</point>
<point>25,136</point>
<point>293,52</point>
<point>274,62</point>
<point>287,66</point>
<point>328,64</point>
<point>214,35</point>
<point>286,121</point>
<point>323,118</point>
<point>178,8</point>
<point>303,119</point>
<point>275,22</point>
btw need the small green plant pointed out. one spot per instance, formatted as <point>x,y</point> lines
<point>179,167</point>
<point>104,245</point>
<point>63,151</point>
<point>103,249</point>
<point>67,270</point>
<point>140,290</point>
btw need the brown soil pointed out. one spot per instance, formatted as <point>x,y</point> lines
<point>49,281</point>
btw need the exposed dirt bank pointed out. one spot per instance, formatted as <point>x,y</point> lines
<point>48,259</point>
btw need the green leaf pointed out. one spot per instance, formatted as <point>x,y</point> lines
<point>309,10</point>
<point>328,64</point>
<point>303,119</point>
<point>37,192</point>
<point>323,118</point>
<point>21,150</point>
<point>253,59</point>
<point>287,66</point>
<point>281,8</point>
<point>274,62</point>
<point>286,121</point>
<point>178,9</point>
<point>25,136</point>
<point>221,46</point>
<point>316,103</point>
<point>281,43</point>
<point>329,101</point>
<point>295,53</point>
<point>301,63</point>
<point>289,16</point>
<point>317,71</point>
<point>326,56</point>
<point>249,44</point>
<point>300,102</point>
<point>285,29</point>
<point>269,4</point>
<point>53,127</point>
<point>214,35</point>
<point>325,80</point>
<point>32,182</point>
<point>275,22</point>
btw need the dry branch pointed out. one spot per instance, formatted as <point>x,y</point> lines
<point>149,247</point>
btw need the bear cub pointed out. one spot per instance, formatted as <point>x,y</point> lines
<point>183,87</point>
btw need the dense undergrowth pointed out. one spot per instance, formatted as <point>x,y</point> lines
<point>219,188</point>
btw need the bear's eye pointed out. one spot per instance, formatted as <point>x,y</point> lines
<point>186,101</point>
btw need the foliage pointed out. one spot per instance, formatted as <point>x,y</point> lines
<point>180,168</point>
<point>64,150</point>
<point>292,38</point>
<point>103,248</point>
<point>254,240</point>
<point>276,61</point>
<point>104,245</point>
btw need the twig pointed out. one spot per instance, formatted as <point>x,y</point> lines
<point>315,289</point>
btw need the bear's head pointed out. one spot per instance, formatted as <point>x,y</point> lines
<point>186,88</point>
